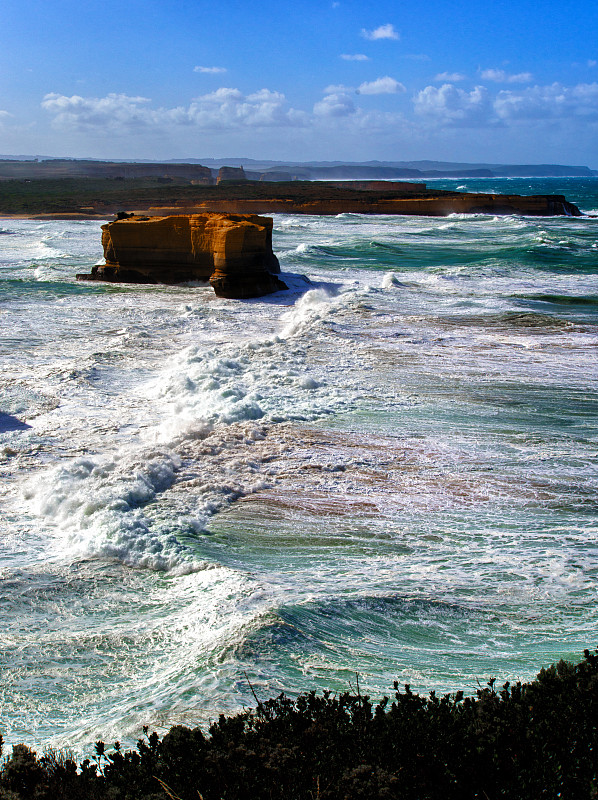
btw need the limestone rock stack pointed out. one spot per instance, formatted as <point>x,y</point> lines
<point>244,263</point>
<point>232,251</point>
<point>231,174</point>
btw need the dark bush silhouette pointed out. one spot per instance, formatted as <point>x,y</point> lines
<point>535,741</point>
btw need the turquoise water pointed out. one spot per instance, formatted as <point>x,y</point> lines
<point>389,470</point>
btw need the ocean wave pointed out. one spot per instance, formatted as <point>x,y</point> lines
<point>590,301</point>
<point>98,502</point>
<point>213,404</point>
<point>118,661</point>
<point>383,637</point>
<point>380,452</point>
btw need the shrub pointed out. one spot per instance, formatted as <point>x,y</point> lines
<point>523,742</point>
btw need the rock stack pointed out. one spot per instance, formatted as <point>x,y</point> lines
<point>232,251</point>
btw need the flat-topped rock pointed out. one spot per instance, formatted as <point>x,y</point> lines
<point>231,174</point>
<point>231,251</point>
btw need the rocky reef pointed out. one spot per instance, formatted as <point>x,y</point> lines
<point>231,251</point>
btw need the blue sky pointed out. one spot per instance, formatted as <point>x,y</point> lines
<point>500,81</point>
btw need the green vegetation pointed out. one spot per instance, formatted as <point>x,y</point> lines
<point>522,742</point>
<point>75,195</point>
<point>94,195</point>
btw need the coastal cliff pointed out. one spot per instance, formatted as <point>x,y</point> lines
<point>232,251</point>
<point>89,198</point>
<point>428,204</point>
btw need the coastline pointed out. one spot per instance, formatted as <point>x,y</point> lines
<point>80,200</point>
<point>428,207</point>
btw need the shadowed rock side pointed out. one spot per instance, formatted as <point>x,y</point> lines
<point>232,251</point>
<point>231,174</point>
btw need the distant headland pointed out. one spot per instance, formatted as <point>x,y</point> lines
<point>35,167</point>
<point>85,189</point>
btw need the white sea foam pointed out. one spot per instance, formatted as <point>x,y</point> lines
<point>99,503</point>
<point>104,504</point>
<point>308,309</point>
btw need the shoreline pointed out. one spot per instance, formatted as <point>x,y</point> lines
<point>81,200</point>
<point>420,207</point>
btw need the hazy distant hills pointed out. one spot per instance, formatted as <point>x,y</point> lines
<point>25,166</point>
<point>374,169</point>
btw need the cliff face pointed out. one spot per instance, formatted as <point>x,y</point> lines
<point>231,174</point>
<point>232,251</point>
<point>368,202</point>
<point>80,198</point>
<point>379,186</point>
<point>79,168</point>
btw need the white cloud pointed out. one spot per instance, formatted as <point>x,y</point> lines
<point>452,106</point>
<point>385,85</point>
<point>450,77</point>
<point>112,112</point>
<point>4,115</point>
<point>383,32</point>
<point>210,70</point>
<point>355,57</point>
<point>229,108</point>
<point>334,105</point>
<point>591,62</point>
<point>500,76</point>
<point>502,115</point>
<point>119,114</point>
<point>222,95</point>
<point>554,102</point>
<point>339,88</point>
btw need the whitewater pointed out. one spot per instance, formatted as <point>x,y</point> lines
<point>388,471</point>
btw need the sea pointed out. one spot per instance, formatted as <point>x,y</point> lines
<point>386,473</point>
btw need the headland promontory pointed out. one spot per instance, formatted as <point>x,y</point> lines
<point>195,191</point>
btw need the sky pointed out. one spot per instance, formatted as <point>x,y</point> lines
<point>504,81</point>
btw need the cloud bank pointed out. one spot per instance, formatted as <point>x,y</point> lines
<point>222,109</point>
<point>449,105</point>
<point>500,76</point>
<point>337,104</point>
<point>346,120</point>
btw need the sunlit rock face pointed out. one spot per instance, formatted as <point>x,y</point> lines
<point>232,251</point>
